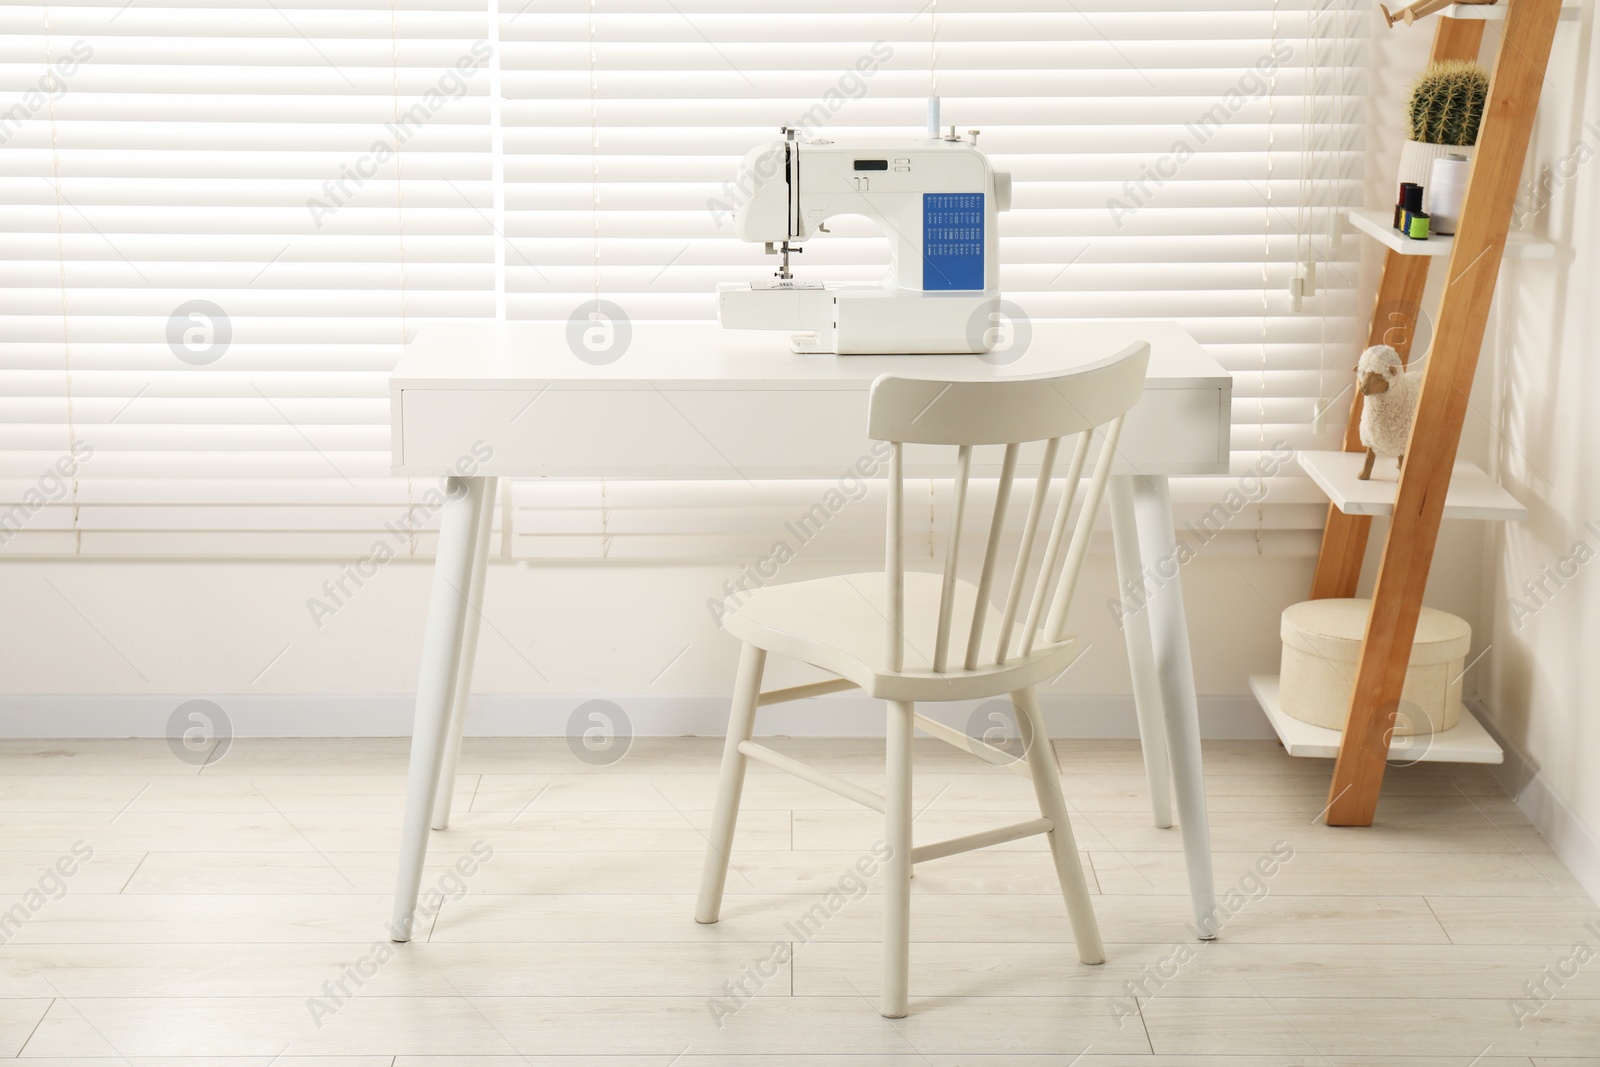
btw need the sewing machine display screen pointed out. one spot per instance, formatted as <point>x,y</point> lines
<point>872,164</point>
<point>952,240</point>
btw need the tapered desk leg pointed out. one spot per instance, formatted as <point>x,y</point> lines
<point>1169,634</point>
<point>436,681</point>
<point>1141,657</point>
<point>469,651</point>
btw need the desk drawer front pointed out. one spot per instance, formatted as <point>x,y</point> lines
<point>724,433</point>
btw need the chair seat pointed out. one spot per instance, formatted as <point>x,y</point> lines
<point>837,624</point>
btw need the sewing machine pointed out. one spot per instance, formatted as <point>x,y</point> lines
<point>935,199</point>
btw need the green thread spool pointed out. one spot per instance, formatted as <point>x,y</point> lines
<point>1416,225</point>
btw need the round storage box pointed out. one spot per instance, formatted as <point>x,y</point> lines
<point>1321,643</point>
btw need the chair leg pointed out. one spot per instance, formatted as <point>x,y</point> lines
<point>741,724</point>
<point>897,871</point>
<point>1053,806</point>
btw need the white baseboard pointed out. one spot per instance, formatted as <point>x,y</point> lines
<point>1572,839</point>
<point>496,715</point>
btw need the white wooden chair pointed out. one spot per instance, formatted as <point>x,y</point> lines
<point>895,635</point>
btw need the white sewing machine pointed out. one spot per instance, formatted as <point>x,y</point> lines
<point>934,198</point>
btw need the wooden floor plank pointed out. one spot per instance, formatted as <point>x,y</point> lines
<point>658,1026</point>
<point>1371,1027</point>
<point>230,900</point>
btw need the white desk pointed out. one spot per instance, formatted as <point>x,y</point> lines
<point>691,400</point>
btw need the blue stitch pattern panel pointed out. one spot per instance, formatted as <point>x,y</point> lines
<point>952,241</point>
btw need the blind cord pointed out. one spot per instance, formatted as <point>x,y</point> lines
<point>497,160</point>
<point>1266,280</point>
<point>594,147</point>
<point>594,209</point>
<point>66,321</point>
<point>1305,186</point>
<point>400,229</point>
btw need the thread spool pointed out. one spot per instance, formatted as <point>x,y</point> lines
<point>1400,202</point>
<point>1415,225</point>
<point>1447,190</point>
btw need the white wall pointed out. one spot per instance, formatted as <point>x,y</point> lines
<point>1541,679</point>
<point>239,633</point>
<point>1532,423</point>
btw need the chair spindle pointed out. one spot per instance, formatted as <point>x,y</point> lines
<point>952,556</point>
<point>991,553</point>
<point>1052,548</point>
<point>1055,628</point>
<point>894,563</point>
<point>1030,528</point>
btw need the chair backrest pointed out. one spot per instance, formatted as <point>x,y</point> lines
<point>1083,404</point>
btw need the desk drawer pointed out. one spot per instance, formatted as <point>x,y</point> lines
<point>735,433</point>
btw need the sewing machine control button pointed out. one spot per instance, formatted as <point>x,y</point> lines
<point>903,161</point>
<point>861,184</point>
<point>902,169</point>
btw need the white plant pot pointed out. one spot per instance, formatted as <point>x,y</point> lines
<point>1416,163</point>
<point>1445,190</point>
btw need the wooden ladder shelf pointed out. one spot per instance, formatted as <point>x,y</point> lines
<point>1528,30</point>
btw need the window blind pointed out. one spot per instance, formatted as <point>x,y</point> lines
<point>220,222</point>
<point>223,220</point>
<point>1173,159</point>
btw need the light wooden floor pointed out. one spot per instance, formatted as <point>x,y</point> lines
<point>220,900</point>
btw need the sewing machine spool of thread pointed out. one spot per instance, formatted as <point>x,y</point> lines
<point>933,118</point>
<point>1410,200</point>
<point>1415,224</point>
<point>1400,202</point>
<point>1447,190</point>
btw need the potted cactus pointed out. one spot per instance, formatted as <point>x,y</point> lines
<point>1445,112</point>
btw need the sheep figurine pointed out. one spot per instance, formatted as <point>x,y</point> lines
<point>1391,401</point>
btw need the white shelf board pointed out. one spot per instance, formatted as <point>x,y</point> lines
<point>1472,495</point>
<point>1379,225</point>
<point>1494,12</point>
<point>1467,742</point>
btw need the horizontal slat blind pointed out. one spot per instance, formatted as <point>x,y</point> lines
<point>626,118</point>
<point>257,156</point>
<point>220,218</point>
<point>814,519</point>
